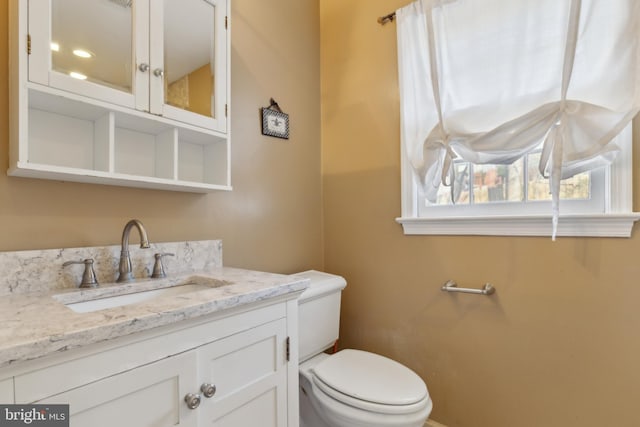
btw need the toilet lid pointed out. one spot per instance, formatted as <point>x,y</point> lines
<point>371,377</point>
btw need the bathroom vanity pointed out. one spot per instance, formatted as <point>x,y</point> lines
<point>223,353</point>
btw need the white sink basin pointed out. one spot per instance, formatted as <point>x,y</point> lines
<point>89,302</point>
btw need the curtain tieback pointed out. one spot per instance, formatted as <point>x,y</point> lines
<point>447,176</point>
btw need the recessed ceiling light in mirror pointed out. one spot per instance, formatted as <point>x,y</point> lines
<point>83,53</point>
<point>55,47</point>
<point>78,76</point>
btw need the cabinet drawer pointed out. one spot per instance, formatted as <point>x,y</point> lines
<point>6,391</point>
<point>149,396</point>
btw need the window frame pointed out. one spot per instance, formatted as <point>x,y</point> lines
<point>616,219</point>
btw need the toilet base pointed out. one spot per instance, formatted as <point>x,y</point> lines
<point>308,415</point>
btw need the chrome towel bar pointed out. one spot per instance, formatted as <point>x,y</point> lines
<point>451,286</point>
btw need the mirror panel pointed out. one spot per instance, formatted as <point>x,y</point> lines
<point>189,55</point>
<point>93,39</point>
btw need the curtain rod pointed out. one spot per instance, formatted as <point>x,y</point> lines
<point>392,16</point>
<point>387,18</point>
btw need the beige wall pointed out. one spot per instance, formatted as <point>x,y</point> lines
<point>558,345</point>
<point>272,219</point>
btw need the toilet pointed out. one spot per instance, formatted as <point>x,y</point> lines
<point>350,388</point>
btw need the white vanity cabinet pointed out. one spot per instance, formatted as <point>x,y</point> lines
<point>250,379</point>
<point>121,92</point>
<point>6,391</point>
<point>147,396</point>
<point>232,370</point>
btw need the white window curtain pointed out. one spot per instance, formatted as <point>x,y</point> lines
<point>490,80</point>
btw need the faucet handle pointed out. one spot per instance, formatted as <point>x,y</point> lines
<point>88,276</point>
<point>158,268</point>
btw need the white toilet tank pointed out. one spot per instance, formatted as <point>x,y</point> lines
<point>319,312</point>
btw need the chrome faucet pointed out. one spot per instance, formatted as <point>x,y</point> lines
<point>125,271</point>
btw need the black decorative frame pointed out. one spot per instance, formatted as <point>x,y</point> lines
<point>270,112</point>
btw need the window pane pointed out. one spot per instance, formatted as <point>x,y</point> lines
<point>578,187</point>
<point>460,186</point>
<point>498,183</point>
<point>506,183</point>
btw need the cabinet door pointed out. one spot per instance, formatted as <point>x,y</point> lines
<point>167,57</point>
<point>189,61</point>
<point>148,396</point>
<point>249,372</point>
<point>6,391</point>
<point>94,48</point>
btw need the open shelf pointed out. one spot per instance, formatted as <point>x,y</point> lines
<point>68,138</point>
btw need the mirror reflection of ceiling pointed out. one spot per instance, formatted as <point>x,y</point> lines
<point>188,36</point>
<point>104,28</point>
<point>101,27</point>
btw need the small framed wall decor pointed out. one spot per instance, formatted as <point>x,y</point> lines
<point>274,121</point>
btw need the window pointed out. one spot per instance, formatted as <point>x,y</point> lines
<point>515,200</point>
<point>488,93</point>
<point>515,188</point>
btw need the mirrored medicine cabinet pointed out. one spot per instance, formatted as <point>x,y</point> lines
<point>121,92</point>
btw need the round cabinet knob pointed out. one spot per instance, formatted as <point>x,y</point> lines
<point>158,72</point>
<point>193,400</point>
<point>143,67</point>
<point>208,390</point>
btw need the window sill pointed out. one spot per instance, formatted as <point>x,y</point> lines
<point>602,225</point>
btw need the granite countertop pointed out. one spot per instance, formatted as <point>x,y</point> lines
<point>37,325</point>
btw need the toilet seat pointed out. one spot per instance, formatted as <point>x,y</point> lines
<point>370,382</point>
<point>318,387</point>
